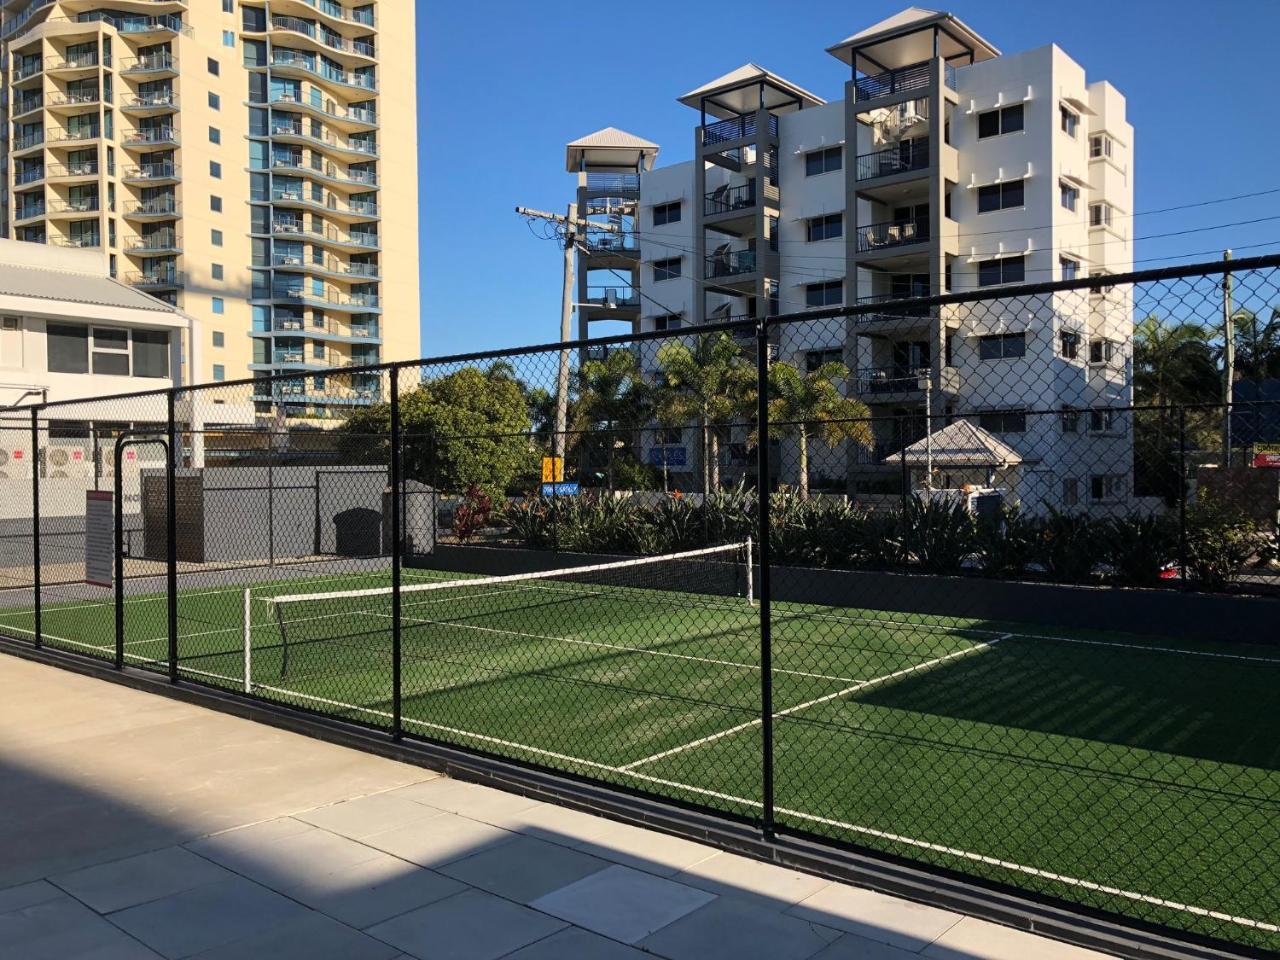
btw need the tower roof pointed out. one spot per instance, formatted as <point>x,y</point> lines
<point>745,90</point>
<point>610,147</point>
<point>907,38</point>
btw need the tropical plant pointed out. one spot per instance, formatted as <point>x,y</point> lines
<point>940,532</point>
<point>1257,345</point>
<point>1006,542</point>
<point>472,515</point>
<point>1139,548</point>
<point>1173,363</point>
<point>1067,547</point>
<point>811,404</point>
<point>614,401</point>
<point>1221,539</point>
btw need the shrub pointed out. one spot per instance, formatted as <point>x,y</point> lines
<point>940,533</point>
<point>1138,548</point>
<point>472,514</point>
<point>1220,541</point>
<point>1067,547</point>
<point>1006,542</point>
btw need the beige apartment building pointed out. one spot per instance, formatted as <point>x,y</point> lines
<point>252,162</point>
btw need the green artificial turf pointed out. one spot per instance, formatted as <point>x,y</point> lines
<point>1129,774</point>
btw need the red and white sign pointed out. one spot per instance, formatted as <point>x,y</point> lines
<point>77,454</point>
<point>18,454</point>
<point>131,454</point>
<point>1267,460</point>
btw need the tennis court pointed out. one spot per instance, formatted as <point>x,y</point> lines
<point>1006,750</point>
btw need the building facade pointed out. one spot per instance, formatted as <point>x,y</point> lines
<point>252,162</point>
<point>945,167</point>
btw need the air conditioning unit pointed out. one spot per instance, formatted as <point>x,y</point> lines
<point>15,457</point>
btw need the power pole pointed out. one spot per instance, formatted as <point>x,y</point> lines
<point>1228,361</point>
<point>572,229</point>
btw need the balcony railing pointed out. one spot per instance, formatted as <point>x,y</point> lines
<point>613,181</point>
<point>152,171</point>
<point>151,63</point>
<point>613,296</point>
<point>72,99</point>
<point>72,136</point>
<point>161,241</point>
<point>297,25</point>
<point>331,171</point>
<point>290,58</point>
<point>726,199</point>
<point>735,128</point>
<point>28,141</point>
<point>613,243</point>
<point>167,100</point>
<point>731,263</point>
<point>29,210</point>
<point>89,241</point>
<point>156,278</point>
<point>903,156</point>
<point>32,175</point>
<point>21,71</point>
<point>326,106</point>
<point>83,205</point>
<point>166,207</point>
<point>286,129</point>
<point>898,379</point>
<point>153,135</point>
<point>78,61</point>
<point>914,77</point>
<point>892,233</point>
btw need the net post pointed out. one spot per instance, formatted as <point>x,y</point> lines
<point>766,626</point>
<point>751,597</point>
<point>248,641</point>
<point>397,558</point>
<point>35,526</point>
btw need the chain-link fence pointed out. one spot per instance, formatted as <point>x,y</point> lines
<point>984,582</point>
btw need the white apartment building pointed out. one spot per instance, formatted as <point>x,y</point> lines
<point>946,167</point>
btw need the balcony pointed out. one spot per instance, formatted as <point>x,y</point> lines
<point>730,263</point>
<point>154,137</point>
<point>29,211</point>
<point>156,279</point>
<point>726,199</point>
<point>742,127</point>
<point>89,98</point>
<point>88,242</point>
<point>608,247</point>
<point>626,185</point>
<point>150,104</point>
<point>896,380</point>
<point>915,77</point>
<point>83,205</point>
<point>149,28</point>
<point>28,141</point>
<point>152,64</point>
<point>366,179</point>
<point>293,60</point>
<point>614,298</point>
<point>81,62</point>
<point>159,209</point>
<point>903,157</point>
<point>26,70</point>
<point>30,175</point>
<point>892,233</point>
<point>163,172</point>
<point>162,242</point>
<point>330,8</point>
<point>319,103</point>
<point>73,136</point>
<point>284,129</point>
<point>72,171</point>
<point>359,48</point>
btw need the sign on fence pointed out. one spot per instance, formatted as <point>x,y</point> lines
<point>552,469</point>
<point>559,489</point>
<point>1267,455</point>
<point>99,538</point>
<point>668,456</point>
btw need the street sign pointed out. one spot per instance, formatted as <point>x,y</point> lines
<point>552,469</point>
<point>560,490</point>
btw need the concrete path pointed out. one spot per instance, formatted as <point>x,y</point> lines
<point>135,826</point>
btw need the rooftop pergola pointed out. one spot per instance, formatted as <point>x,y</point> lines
<point>747,89</point>
<point>610,149</point>
<point>911,37</point>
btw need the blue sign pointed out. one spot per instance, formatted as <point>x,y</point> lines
<point>559,489</point>
<point>668,456</point>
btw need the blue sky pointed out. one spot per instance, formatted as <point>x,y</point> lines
<point>502,88</point>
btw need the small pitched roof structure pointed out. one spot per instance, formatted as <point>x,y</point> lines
<point>24,285</point>
<point>610,147</point>
<point>908,37</point>
<point>961,444</point>
<point>746,90</point>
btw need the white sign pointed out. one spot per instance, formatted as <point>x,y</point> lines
<point>99,538</point>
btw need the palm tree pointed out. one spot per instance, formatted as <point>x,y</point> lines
<point>811,404</point>
<point>1173,364</point>
<point>1257,345</point>
<point>613,398</point>
<point>706,382</point>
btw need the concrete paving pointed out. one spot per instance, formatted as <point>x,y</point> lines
<point>140,827</point>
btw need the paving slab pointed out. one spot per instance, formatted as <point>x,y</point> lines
<point>622,903</point>
<point>727,929</point>
<point>439,840</point>
<point>978,938</point>
<point>646,850</point>
<point>373,890</point>
<point>575,944</point>
<point>291,859</point>
<point>470,926</point>
<point>524,869</point>
<point>368,815</point>
<point>899,923</point>
<point>62,928</point>
<point>853,947</point>
<point>764,884</point>
<point>134,880</point>
<point>310,937</point>
<point>468,799</point>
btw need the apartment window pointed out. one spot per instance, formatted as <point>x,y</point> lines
<point>1069,120</point>
<point>1002,346</point>
<point>228,6</point>
<point>219,372</point>
<point>215,101</point>
<point>1070,420</point>
<point>822,161</point>
<point>1069,345</point>
<point>1105,420</point>
<point>1100,289</point>
<point>1106,487</point>
<point>219,338</point>
<point>669,321</point>
<point>816,359</point>
<point>214,68</point>
<point>215,204</point>
<point>1101,351</point>
<point>217,271</point>
<point>666,269</point>
<point>664,213</point>
<point>111,351</point>
<point>1070,492</point>
<point>67,345</point>
<point>1070,196</point>
<point>1100,146</point>
<point>215,169</point>
<point>215,135</point>
<point>228,38</point>
<point>215,237</point>
<point>829,293</point>
<point>1003,421</point>
<point>827,227</point>
<point>219,305</point>
<point>317,350</point>
<point>993,123</point>
<point>1070,267</point>
<point>1100,214</point>
<point>150,353</point>
<point>1000,196</point>
<point>1004,270</point>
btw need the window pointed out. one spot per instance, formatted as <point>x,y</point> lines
<point>111,351</point>
<point>215,204</point>
<point>68,347</point>
<point>664,213</point>
<point>667,436</point>
<point>213,67</point>
<point>1100,289</point>
<point>822,161</point>
<point>215,101</point>
<point>1105,420</point>
<point>217,271</point>
<point>219,338</point>
<point>215,169</point>
<point>1069,345</point>
<point>827,227</point>
<point>1003,421</point>
<point>215,135</point>
<point>1006,270</point>
<point>1101,351</point>
<point>317,350</point>
<point>666,269</point>
<point>1070,420</point>
<point>228,38</point>
<point>827,294</point>
<point>1106,487</point>
<point>1070,492</point>
<point>993,123</point>
<point>150,353</point>
<point>215,237</point>
<point>1000,196</point>
<point>219,305</point>
<point>1100,146</point>
<point>815,359</point>
<point>669,321</point>
<point>228,6</point>
<point>1070,267</point>
<point>1100,214</point>
<point>219,372</point>
<point>1070,196</point>
<point>1069,120</point>
<point>1002,346</point>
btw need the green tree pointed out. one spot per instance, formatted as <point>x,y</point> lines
<point>1173,364</point>
<point>1257,345</point>
<point>614,401</point>
<point>805,405</point>
<point>706,382</point>
<point>468,428</point>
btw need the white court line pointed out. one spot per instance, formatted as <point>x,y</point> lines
<point>861,685</point>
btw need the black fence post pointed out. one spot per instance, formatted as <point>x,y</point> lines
<point>35,526</point>
<point>397,726</point>
<point>766,625</point>
<point>1182,493</point>
<point>171,532</point>
<point>119,551</point>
